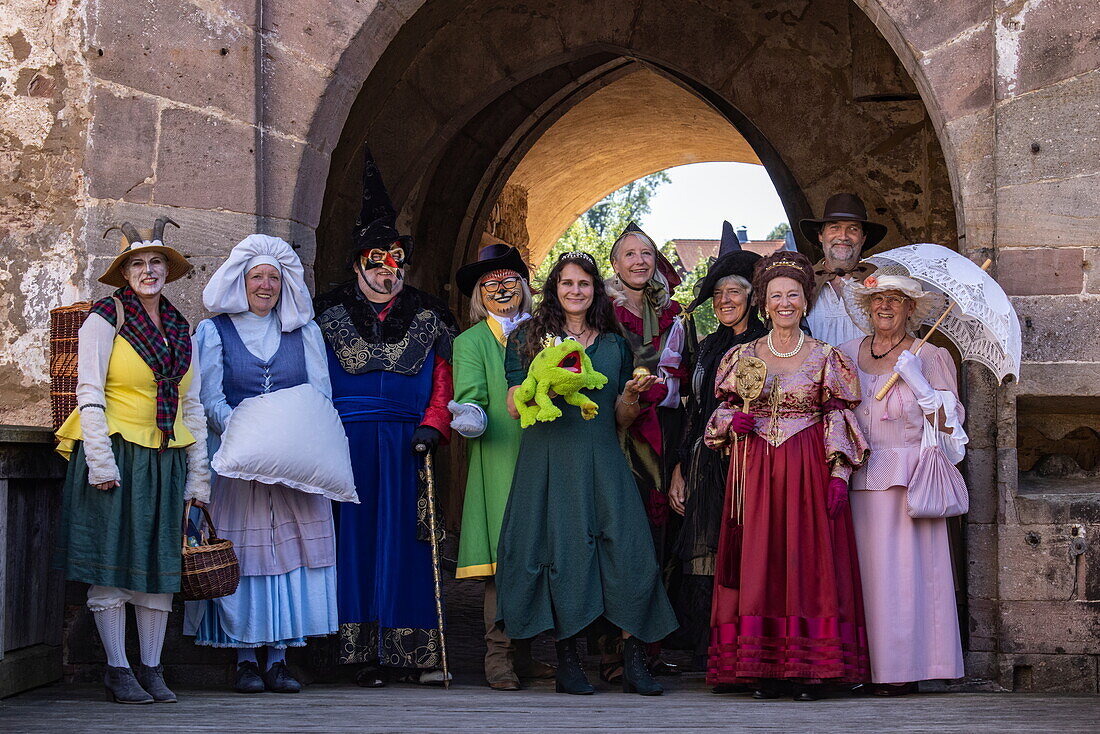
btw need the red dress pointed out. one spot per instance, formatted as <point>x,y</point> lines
<point>797,609</point>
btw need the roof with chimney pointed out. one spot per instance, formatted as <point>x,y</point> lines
<point>693,252</point>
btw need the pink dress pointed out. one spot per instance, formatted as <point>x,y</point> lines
<point>905,564</point>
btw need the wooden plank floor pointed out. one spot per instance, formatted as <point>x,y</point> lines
<point>688,706</point>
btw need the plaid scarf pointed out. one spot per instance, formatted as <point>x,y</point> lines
<point>168,357</point>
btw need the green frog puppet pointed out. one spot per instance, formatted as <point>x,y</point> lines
<point>564,368</point>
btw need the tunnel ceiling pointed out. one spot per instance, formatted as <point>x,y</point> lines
<point>637,125</point>
<point>571,99</point>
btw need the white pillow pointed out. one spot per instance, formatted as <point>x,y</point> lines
<point>292,436</point>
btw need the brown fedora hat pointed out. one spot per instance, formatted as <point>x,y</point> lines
<point>844,208</point>
<point>148,240</point>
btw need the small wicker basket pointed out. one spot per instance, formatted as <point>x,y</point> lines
<point>210,570</point>
<point>65,322</point>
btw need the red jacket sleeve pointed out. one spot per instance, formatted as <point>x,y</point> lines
<point>443,391</point>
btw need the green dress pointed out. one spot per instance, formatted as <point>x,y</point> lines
<point>491,458</point>
<point>575,544</point>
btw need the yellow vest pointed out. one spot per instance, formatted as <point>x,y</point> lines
<point>131,400</point>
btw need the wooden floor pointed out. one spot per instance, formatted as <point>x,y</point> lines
<point>687,706</point>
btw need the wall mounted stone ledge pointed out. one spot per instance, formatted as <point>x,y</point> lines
<point>1051,673</point>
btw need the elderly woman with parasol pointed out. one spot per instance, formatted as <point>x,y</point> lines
<point>905,562</point>
<point>902,537</point>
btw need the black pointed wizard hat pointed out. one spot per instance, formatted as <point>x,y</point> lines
<point>376,225</point>
<point>731,260</point>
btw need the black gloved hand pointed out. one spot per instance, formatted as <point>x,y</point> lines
<point>427,437</point>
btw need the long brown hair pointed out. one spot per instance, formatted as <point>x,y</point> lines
<point>548,318</point>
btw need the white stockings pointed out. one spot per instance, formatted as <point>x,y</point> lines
<point>151,624</point>
<point>111,624</point>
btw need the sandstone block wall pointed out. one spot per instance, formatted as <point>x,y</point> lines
<point>970,123</point>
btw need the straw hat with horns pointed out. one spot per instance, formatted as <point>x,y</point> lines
<point>149,240</point>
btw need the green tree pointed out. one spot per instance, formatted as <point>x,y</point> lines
<point>705,320</point>
<point>779,231</point>
<point>596,230</point>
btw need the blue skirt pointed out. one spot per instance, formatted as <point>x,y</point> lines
<point>274,611</point>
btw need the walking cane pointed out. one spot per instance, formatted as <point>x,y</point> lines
<point>429,472</point>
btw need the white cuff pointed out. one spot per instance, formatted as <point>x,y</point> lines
<point>97,446</point>
<point>469,419</point>
<point>954,443</point>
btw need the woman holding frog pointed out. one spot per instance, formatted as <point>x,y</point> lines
<point>787,604</point>
<point>574,544</point>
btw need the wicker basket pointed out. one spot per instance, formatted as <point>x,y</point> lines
<point>65,322</point>
<point>210,570</point>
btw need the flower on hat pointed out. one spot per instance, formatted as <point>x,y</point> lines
<point>870,281</point>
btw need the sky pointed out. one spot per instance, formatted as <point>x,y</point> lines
<point>701,195</point>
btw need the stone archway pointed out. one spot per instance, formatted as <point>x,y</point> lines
<point>465,90</point>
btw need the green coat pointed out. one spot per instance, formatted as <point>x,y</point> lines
<point>491,458</point>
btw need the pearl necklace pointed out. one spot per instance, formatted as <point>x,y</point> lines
<point>797,348</point>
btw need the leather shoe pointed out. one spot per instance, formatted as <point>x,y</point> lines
<point>248,678</point>
<point>278,679</point>
<point>804,692</point>
<point>657,666</point>
<point>535,669</point>
<point>151,678</point>
<point>505,684</point>
<point>122,687</point>
<point>370,677</point>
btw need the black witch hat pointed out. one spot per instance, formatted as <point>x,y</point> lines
<point>731,260</point>
<point>663,265</point>
<point>376,226</point>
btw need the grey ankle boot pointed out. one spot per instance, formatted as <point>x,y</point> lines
<point>152,680</point>
<point>122,686</point>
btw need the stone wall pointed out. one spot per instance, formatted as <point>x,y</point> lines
<point>46,113</point>
<point>979,129</point>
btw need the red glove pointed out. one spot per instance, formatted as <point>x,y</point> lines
<point>838,496</point>
<point>742,423</point>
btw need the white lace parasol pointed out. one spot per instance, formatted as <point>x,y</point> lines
<point>983,324</point>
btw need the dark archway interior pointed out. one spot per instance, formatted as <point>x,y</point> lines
<point>466,89</point>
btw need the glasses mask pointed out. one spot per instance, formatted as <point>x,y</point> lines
<point>501,292</point>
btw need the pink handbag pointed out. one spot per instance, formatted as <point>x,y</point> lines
<point>936,488</point>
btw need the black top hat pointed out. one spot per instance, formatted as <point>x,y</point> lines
<point>493,257</point>
<point>844,207</point>
<point>731,260</point>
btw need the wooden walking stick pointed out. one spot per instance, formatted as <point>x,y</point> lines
<point>895,377</point>
<point>429,472</point>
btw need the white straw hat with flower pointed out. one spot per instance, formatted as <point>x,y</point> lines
<point>857,297</point>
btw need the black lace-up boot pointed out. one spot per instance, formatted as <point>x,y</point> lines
<point>570,676</point>
<point>636,675</point>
